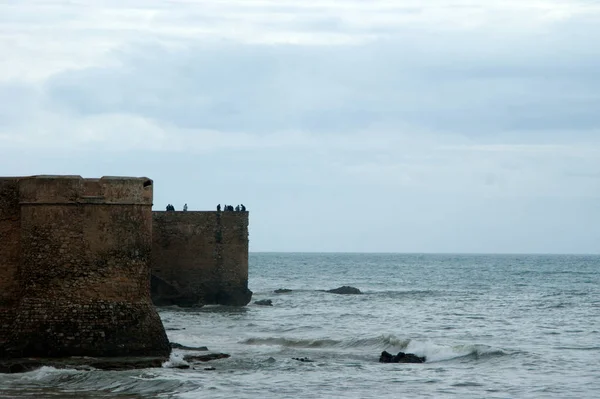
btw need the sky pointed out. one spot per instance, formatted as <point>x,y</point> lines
<point>454,126</point>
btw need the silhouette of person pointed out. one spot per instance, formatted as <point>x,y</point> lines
<point>168,207</point>
<point>237,208</point>
<point>219,208</point>
<point>243,208</point>
<point>185,208</point>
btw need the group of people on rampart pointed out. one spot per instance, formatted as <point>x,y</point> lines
<point>171,208</point>
<point>226,208</point>
<point>230,208</point>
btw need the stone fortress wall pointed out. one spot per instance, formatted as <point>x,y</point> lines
<point>200,258</point>
<point>75,268</point>
<point>10,251</point>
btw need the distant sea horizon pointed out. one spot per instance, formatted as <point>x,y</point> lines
<point>431,253</point>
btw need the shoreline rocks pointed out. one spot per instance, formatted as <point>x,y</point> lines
<point>23,365</point>
<point>264,302</point>
<point>401,357</point>
<point>345,290</point>
<point>303,359</point>
<point>175,345</point>
<point>206,358</point>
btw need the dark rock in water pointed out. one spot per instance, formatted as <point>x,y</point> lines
<point>302,359</point>
<point>175,345</point>
<point>165,294</point>
<point>264,302</point>
<point>182,367</point>
<point>282,291</point>
<point>345,290</point>
<point>401,357</point>
<point>206,358</point>
<point>238,297</point>
<point>210,369</point>
<point>23,365</point>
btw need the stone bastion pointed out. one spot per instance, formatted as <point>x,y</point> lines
<point>75,268</point>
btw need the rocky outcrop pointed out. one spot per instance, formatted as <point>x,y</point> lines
<point>175,345</point>
<point>345,290</point>
<point>165,294</point>
<point>206,358</point>
<point>264,302</point>
<point>401,357</point>
<point>282,291</point>
<point>23,365</point>
<point>239,296</point>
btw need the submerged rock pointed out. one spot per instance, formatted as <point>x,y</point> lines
<point>264,302</point>
<point>206,358</point>
<point>166,294</point>
<point>401,357</point>
<point>345,290</point>
<point>23,365</point>
<point>303,359</point>
<point>282,291</point>
<point>175,345</point>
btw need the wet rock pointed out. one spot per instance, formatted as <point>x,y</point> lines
<point>303,359</point>
<point>239,296</point>
<point>282,291</point>
<point>264,302</point>
<point>401,357</point>
<point>175,345</point>
<point>22,365</point>
<point>345,290</point>
<point>206,358</point>
<point>210,369</point>
<point>166,294</point>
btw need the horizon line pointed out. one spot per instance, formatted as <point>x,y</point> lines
<point>430,253</point>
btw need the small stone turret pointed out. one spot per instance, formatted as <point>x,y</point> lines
<point>83,285</point>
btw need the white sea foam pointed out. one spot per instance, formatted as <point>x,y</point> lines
<point>435,352</point>
<point>43,373</point>
<point>175,360</point>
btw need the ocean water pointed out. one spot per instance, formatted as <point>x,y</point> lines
<point>491,326</point>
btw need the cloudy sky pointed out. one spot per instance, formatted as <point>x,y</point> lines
<point>379,126</point>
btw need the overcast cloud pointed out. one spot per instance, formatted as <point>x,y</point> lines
<point>396,126</point>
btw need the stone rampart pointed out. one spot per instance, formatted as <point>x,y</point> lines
<point>84,271</point>
<point>10,250</point>
<point>200,258</point>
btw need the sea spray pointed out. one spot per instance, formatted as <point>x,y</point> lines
<point>175,361</point>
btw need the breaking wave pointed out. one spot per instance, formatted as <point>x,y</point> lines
<point>385,341</point>
<point>433,351</point>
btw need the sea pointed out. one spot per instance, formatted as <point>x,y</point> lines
<point>490,326</point>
